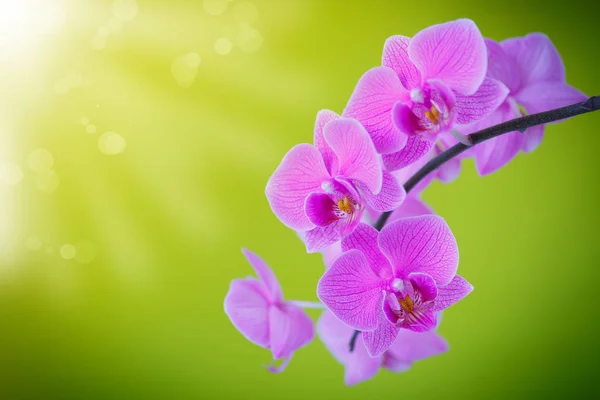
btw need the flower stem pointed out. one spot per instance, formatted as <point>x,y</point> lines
<point>518,124</point>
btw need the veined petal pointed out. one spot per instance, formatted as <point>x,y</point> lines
<point>336,335</point>
<point>319,209</point>
<point>395,56</point>
<point>415,149</point>
<point>324,117</point>
<point>452,293</point>
<point>353,291</point>
<point>488,97</point>
<point>536,58</point>
<point>453,52</point>
<point>545,96</point>
<point>412,346</point>
<point>424,284</point>
<point>289,329</point>
<point>364,238</point>
<point>357,157</point>
<point>421,244</point>
<point>379,340</point>
<point>421,321</point>
<point>247,307</point>
<point>322,236</point>
<point>266,276</point>
<point>300,173</point>
<point>502,67</point>
<point>371,104</point>
<point>390,197</point>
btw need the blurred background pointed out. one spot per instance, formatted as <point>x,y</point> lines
<point>136,139</point>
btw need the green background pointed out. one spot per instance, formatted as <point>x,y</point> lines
<point>166,218</point>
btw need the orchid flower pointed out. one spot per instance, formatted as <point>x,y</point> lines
<point>257,309</point>
<point>395,279</point>
<point>323,190</point>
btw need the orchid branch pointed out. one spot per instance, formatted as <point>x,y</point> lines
<point>518,124</point>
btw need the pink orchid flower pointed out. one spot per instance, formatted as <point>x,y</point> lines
<point>257,309</point>
<point>408,348</point>
<point>533,71</point>
<point>322,190</point>
<point>395,279</point>
<point>426,86</point>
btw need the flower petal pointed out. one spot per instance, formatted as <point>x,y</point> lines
<point>379,340</point>
<point>395,56</point>
<point>390,197</point>
<point>356,154</point>
<point>336,335</point>
<point>453,52</point>
<point>545,96</point>
<point>415,149</point>
<point>422,322</point>
<point>405,120</point>
<point>323,117</point>
<point>289,329</point>
<point>488,97</point>
<point>364,238</point>
<point>424,284</point>
<point>352,291</point>
<point>536,58</point>
<point>421,244</point>
<point>413,346</point>
<point>247,308</point>
<point>300,173</point>
<point>323,236</point>
<point>319,209</point>
<point>501,66</point>
<point>412,207</point>
<point>331,253</point>
<point>266,276</point>
<point>533,138</point>
<point>371,104</point>
<point>453,292</point>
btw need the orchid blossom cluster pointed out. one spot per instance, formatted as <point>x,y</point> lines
<point>389,284</point>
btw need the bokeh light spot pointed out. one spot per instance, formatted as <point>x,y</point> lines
<point>68,251</point>
<point>91,129</point>
<point>33,243</point>
<point>249,39</point>
<point>124,10</point>
<point>40,160</point>
<point>10,174</point>
<point>223,46</point>
<point>184,69</point>
<point>111,143</point>
<point>245,12</point>
<point>215,7</point>
<point>85,251</point>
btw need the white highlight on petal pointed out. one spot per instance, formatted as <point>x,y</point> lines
<point>417,95</point>
<point>398,285</point>
<point>327,187</point>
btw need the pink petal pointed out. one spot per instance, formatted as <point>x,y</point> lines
<point>300,173</point>
<point>289,329</point>
<point>356,154</point>
<point>390,197</point>
<point>364,238</point>
<point>247,308</point>
<point>488,97</point>
<point>533,138</point>
<point>335,335</point>
<point>501,66</point>
<point>425,322</point>
<point>323,236</point>
<point>453,52</point>
<point>371,104</point>
<point>545,96</point>
<point>266,275</point>
<point>421,244</point>
<point>379,340</point>
<point>319,209</point>
<point>352,291</point>
<point>331,253</point>
<point>412,207</point>
<point>536,58</point>
<point>424,284</point>
<point>405,120</point>
<point>453,292</point>
<point>449,171</point>
<point>323,117</point>
<point>395,56</point>
<point>415,149</point>
<point>413,346</point>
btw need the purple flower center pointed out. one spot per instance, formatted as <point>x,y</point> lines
<point>409,306</point>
